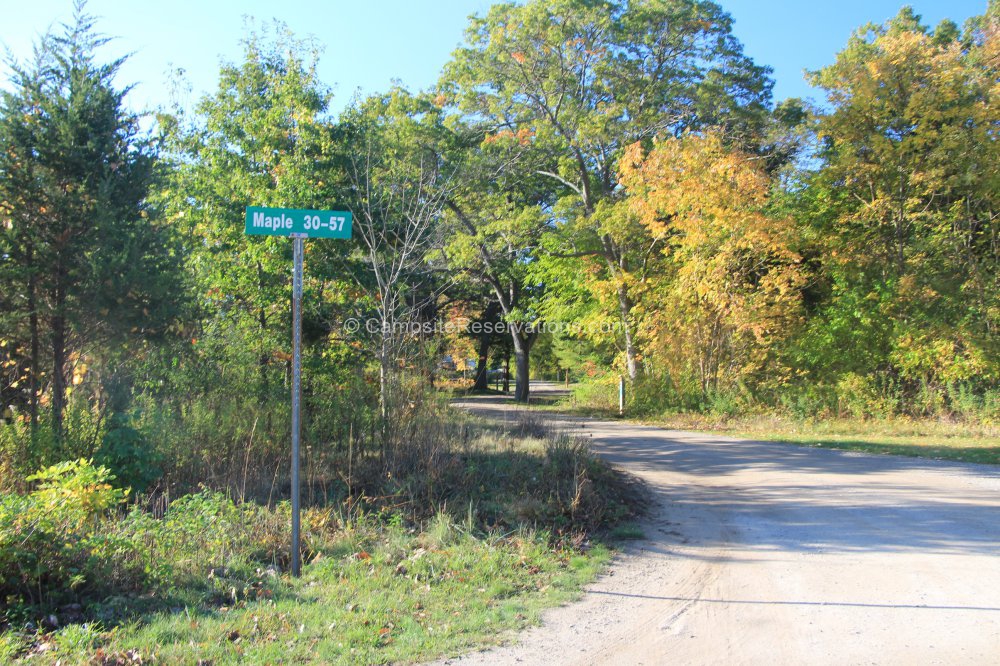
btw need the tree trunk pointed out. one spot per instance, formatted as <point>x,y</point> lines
<point>521,386</point>
<point>485,341</point>
<point>33,371</point>
<point>58,370</point>
<point>506,373</point>
<point>625,310</point>
<point>482,369</point>
<point>522,347</point>
<point>383,381</point>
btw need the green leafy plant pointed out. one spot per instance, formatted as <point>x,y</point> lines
<point>46,536</point>
<point>74,493</point>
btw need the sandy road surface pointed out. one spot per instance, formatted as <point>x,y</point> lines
<point>763,553</point>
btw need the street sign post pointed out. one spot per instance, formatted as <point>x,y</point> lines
<point>297,224</point>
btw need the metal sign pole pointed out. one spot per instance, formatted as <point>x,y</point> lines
<point>297,224</point>
<point>297,242</point>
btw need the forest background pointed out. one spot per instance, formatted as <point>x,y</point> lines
<point>592,190</point>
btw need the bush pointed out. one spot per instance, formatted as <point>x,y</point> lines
<point>600,393</point>
<point>862,396</point>
<point>650,396</point>
<point>126,451</point>
<point>61,543</point>
<point>46,537</point>
<point>807,400</point>
<point>965,401</point>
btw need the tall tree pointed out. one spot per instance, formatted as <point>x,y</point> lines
<point>494,225</point>
<point>262,138</point>
<point>907,200</point>
<point>75,174</point>
<point>731,291</point>
<point>582,79</point>
<point>492,238</point>
<point>399,182</point>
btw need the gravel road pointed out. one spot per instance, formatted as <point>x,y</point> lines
<point>764,553</point>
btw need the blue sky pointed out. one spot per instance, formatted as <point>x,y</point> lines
<point>370,44</point>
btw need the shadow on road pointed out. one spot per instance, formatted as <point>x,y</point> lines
<point>794,499</point>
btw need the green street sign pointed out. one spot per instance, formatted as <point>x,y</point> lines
<point>296,222</point>
<point>299,224</point>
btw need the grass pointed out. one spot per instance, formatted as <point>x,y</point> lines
<point>918,438</point>
<point>381,595</point>
<point>901,437</point>
<point>627,532</point>
<point>495,524</point>
<point>935,440</point>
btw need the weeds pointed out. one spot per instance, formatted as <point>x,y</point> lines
<point>852,396</point>
<point>482,525</point>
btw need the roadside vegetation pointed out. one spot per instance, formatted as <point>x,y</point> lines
<point>903,437</point>
<point>969,436</point>
<point>618,171</point>
<point>469,532</point>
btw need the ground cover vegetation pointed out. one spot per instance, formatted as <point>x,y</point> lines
<point>593,188</point>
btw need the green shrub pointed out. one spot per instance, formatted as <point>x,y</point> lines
<point>130,455</point>
<point>729,401</point>
<point>650,396</point>
<point>973,404</point>
<point>73,494</point>
<point>807,400</point>
<point>600,393</point>
<point>10,453</point>
<point>863,396</point>
<point>46,537</point>
<point>61,542</point>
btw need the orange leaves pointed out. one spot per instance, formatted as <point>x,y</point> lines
<point>524,136</point>
<point>521,137</point>
<point>518,57</point>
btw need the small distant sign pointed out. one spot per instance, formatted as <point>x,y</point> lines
<point>298,222</point>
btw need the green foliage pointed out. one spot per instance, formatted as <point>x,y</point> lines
<point>381,592</point>
<point>72,494</point>
<point>88,273</point>
<point>399,186</point>
<point>722,280</point>
<point>130,454</point>
<point>905,213</point>
<point>600,393</point>
<point>47,537</point>
<point>262,138</point>
<point>197,534</point>
<point>60,543</point>
<point>214,555</point>
<point>562,87</point>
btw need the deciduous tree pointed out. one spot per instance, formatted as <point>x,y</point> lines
<point>582,79</point>
<point>909,198</point>
<point>731,295</point>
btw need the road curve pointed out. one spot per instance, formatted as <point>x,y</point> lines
<point>765,553</point>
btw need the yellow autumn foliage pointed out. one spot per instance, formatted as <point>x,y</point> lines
<point>734,293</point>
